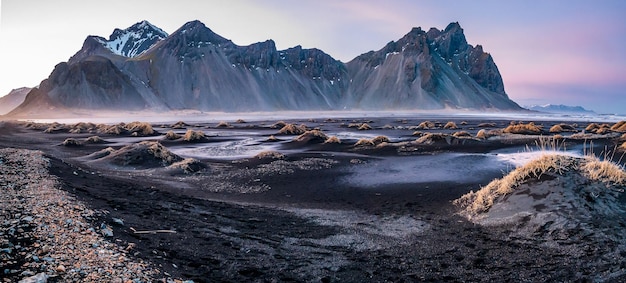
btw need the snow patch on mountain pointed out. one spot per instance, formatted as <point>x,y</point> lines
<point>134,40</point>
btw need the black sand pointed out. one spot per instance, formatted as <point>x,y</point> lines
<point>266,236</point>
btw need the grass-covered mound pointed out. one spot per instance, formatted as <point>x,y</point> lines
<point>555,197</point>
<point>143,154</point>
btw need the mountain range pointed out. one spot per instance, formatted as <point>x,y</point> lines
<point>144,68</point>
<point>560,109</point>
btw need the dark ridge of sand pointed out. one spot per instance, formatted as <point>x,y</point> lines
<point>298,221</point>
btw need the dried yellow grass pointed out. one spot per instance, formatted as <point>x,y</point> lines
<point>622,147</point>
<point>604,171</point>
<point>272,138</point>
<point>191,136</point>
<point>94,139</point>
<point>141,128</point>
<point>450,125</point>
<point>426,125</point>
<point>524,129</point>
<point>418,133</point>
<point>71,142</point>
<point>179,125</point>
<point>380,139</point>
<point>278,125</point>
<point>170,135</point>
<point>223,124</point>
<point>312,136</point>
<point>556,129</point>
<point>602,131</point>
<point>474,203</point>
<point>619,126</point>
<point>461,134</point>
<point>364,127</point>
<point>364,142</point>
<point>269,154</point>
<point>241,121</point>
<point>430,138</point>
<point>291,129</point>
<point>482,134</point>
<point>333,139</point>
<point>188,165</point>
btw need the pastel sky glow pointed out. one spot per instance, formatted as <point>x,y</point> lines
<point>559,51</point>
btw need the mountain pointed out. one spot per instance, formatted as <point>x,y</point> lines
<point>428,70</point>
<point>142,67</point>
<point>134,40</point>
<point>560,109</point>
<point>13,99</point>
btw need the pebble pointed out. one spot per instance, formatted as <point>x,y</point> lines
<point>60,268</point>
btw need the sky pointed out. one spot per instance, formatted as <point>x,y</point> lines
<point>558,51</point>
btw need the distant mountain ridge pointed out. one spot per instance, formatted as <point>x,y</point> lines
<point>560,109</point>
<point>13,99</point>
<point>142,67</point>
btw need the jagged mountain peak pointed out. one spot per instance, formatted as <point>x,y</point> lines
<point>199,32</point>
<point>134,40</point>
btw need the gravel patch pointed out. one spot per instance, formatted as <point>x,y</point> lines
<point>48,235</point>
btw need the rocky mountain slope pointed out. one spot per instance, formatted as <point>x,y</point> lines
<point>13,99</point>
<point>194,68</point>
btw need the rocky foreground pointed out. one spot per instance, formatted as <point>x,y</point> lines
<point>48,235</point>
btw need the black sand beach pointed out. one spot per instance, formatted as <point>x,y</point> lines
<point>303,216</point>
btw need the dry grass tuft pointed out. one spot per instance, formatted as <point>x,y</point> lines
<point>462,134</point>
<point>364,142</point>
<point>170,135</point>
<point>141,128</point>
<point>450,125</point>
<point>71,142</point>
<point>333,139</point>
<point>241,121</point>
<point>619,126</point>
<point>194,136</point>
<point>179,125</point>
<point>431,138</point>
<point>426,125</point>
<point>556,129</point>
<point>312,136</point>
<point>82,127</point>
<point>223,124</point>
<point>272,138</point>
<point>598,128</point>
<point>418,133</point>
<point>482,134</point>
<point>622,147</point>
<point>380,139</point>
<point>278,125</point>
<point>602,131</point>
<point>291,129</point>
<point>604,171</point>
<point>524,129</point>
<point>364,127</point>
<point>94,139</point>
<point>188,165</point>
<point>144,153</point>
<point>269,154</point>
<point>474,203</point>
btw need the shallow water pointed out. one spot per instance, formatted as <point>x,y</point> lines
<point>443,167</point>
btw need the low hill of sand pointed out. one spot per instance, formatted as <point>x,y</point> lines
<point>554,197</point>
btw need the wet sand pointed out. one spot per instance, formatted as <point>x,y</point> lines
<point>323,213</point>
